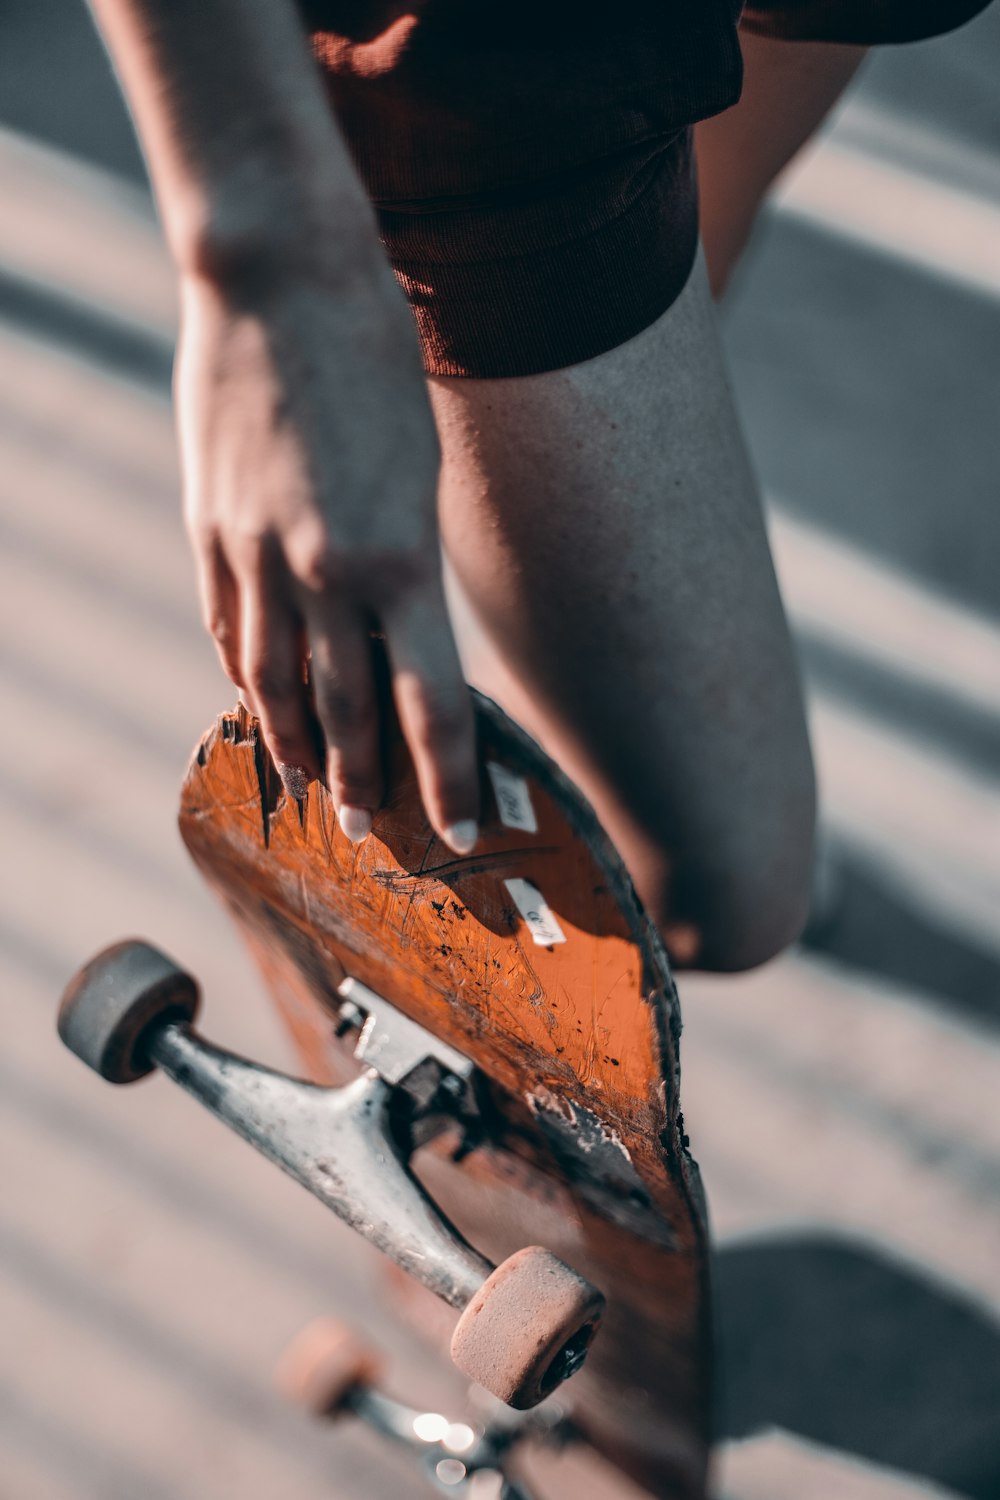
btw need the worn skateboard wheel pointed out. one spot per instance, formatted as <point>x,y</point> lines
<point>528,1328</point>
<point>322,1366</point>
<point>110,1005</point>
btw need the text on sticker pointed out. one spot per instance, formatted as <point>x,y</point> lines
<point>513,798</point>
<point>538,915</point>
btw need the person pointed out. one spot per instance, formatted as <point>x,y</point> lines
<point>449,371</point>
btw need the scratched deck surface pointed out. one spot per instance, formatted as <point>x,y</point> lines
<point>150,1268</point>
<point>533,957</point>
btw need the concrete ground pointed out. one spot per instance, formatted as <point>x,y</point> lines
<point>842,1101</point>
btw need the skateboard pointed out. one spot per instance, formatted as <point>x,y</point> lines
<point>490,1096</point>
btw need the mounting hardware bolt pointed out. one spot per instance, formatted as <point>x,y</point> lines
<point>351,1018</point>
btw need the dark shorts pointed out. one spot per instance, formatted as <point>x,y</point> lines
<point>530,161</point>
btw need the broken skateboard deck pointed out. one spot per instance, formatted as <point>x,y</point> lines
<point>532,958</point>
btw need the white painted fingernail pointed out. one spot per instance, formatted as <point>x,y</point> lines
<point>295,780</point>
<point>356,822</point>
<point>462,837</point>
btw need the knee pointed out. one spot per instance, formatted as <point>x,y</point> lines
<point>749,900</point>
<point>749,918</point>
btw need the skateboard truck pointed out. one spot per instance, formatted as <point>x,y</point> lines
<point>525,1325</point>
<point>330,1372</point>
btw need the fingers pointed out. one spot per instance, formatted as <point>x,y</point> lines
<point>435,712</point>
<point>260,632</point>
<point>220,606</point>
<point>347,709</point>
<point>274,672</point>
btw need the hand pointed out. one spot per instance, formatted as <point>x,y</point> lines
<point>310,465</point>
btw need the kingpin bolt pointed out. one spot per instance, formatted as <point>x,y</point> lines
<point>351,1018</point>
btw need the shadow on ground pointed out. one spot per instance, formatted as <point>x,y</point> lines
<point>859,1353</point>
<point>872,923</point>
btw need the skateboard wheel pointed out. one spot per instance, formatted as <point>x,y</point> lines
<point>527,1328</point>
<point>110,1005</point>
<point>322,1366</point>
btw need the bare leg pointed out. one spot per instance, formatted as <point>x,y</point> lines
<point>605,522</point>
<point>788,90</point>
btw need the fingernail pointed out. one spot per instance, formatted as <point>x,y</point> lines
<point>356,822</point>
<point>295,780</point>
<point>462,837</point>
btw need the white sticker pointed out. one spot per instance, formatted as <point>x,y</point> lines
<point>513,798</point>
<point>535,910</point>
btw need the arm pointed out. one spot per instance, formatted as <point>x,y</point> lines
<point>243,150</point>
<point>308,448</point>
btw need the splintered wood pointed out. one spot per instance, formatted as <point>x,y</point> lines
<point>533,957</point>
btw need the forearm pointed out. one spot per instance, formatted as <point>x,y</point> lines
<point>245,155</point>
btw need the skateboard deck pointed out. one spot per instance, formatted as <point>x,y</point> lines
<point>534,959</point>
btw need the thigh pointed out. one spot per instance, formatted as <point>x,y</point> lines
<point>789,87</point>
<point>613,588</point>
